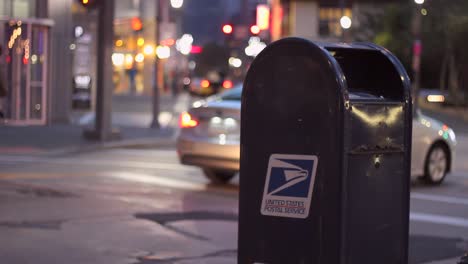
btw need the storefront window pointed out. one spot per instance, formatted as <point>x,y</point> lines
<point>329,24</point>
<point>18,8</point>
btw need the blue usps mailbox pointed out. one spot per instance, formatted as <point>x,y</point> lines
<point>325,155</point>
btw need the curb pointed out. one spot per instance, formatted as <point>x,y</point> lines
<point>168,141</point>
<point>141,143</point>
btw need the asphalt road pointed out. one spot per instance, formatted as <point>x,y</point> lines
<point>141,206</point>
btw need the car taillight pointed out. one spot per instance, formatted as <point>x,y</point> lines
<point>205,83</point>
<point>186,121</point>
<point>227,84</point>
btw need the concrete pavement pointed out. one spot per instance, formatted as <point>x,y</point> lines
<point>141,206</point>
<point>137,206</point>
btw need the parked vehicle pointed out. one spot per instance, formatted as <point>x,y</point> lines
<point>210,138</point>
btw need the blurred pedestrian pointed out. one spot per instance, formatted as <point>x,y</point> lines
<point>175,83</point>
<point>3,90</point>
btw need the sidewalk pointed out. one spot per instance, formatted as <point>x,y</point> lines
<point>131,115</point>
<point>37,140</point>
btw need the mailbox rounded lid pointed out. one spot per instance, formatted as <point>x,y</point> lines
<point>295,64</point>
<point>356,68</point>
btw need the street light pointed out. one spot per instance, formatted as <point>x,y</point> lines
<point>345,22</point>
<point>419,2</point>
<point>227,29</point>
<point>163,52</point>
<point>177,3</point>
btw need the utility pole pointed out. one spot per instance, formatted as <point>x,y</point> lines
<point>103,123</point>
<point>343,30</point>
<point>417,49</point>
<point>156,106</point>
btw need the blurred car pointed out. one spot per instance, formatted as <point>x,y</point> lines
<point>433,96</point>
<point>444,98</point>
<point>433,149</point>
<point>204,87</point>
<point>210,139</point>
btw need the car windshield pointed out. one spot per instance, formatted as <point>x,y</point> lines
<point>233,94</point>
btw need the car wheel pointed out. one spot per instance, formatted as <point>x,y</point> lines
<point>218,176</point>
<point>436,165</point>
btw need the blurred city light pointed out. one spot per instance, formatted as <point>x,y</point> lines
<point>139,57</point>
<point>168,42</point>
<point>34,59</point>
<point>163,52</point>
<point>419,2</point>
<point>177,3</point>
<point>140,42</point>
<point>254,29</point>
<point>78,31</point>
<point>255,47</point>
<point>227,29</point>
<point>186,120</point>
<point>128,60</point>
<point>148,49</point>
<point>119,43</point>
<point>118,59</point>
<point>227,84</point>
<point>345,22</point>
<point>205,83</point>
<point>136,23</point>
<point>88,3</point>
<point>16,33</point>
<point>235,62</point>
<point>263,17</point>
<point>196,50</point>
<point>436,98</point>
<point>192,65</point>
<point>424,12</point>
<point>184,44</point>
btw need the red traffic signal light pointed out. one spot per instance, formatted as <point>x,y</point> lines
<point>227,29</point>
<point>137,25</point>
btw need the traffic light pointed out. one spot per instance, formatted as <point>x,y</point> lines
<point>136,23</point>
<point>89,4</point>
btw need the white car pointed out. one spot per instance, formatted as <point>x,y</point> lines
<point>210,138</point>
<point>433,149</point>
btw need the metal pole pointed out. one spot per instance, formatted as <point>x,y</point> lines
<point>343,30</point>
<point>417,49</point>
<point>156,106</point>
<point>103,130</point>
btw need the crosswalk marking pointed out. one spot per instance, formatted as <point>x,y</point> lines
<point>439,198</point>
<point>439,219</point>
<point>99,162</point>
<point>161,181</point>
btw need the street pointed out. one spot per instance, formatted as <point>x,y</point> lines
<point>138,205</point>
<point>304,118</point>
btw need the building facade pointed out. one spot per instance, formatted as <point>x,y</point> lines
<point>319,20</point>
<point>48,57</point>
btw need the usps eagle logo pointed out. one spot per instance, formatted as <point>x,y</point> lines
<point>289,185</point>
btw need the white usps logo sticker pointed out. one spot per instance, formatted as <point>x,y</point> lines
<point>289,185</point>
